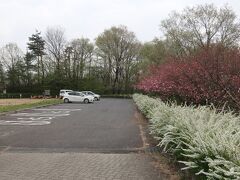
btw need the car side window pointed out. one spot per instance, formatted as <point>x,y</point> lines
<point>79,94</point>
<point>72,93</point>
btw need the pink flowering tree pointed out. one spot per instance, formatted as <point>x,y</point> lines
<point>210,76</point>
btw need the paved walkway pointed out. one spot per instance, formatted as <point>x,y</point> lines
<point>76,166</point>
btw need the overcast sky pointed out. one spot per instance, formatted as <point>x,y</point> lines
<point>87,18</point>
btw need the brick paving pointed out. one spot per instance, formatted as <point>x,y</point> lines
<point>76,166</point>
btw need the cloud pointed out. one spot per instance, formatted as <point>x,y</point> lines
<point>88,18</point>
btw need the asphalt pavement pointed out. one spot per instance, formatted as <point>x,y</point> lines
<point>74,141</point>
<point>106,125</point>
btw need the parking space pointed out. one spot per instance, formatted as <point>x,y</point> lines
<point>107,125</point>
<point>40,116</point>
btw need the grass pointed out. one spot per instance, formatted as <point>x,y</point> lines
<point>44,102</point>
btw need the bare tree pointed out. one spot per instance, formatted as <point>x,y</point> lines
<point>55,45</point>
<point>201,26</point>
<point>12,59</point>
<point>10,54</point>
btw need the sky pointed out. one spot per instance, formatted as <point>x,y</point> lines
<point>19,19</point>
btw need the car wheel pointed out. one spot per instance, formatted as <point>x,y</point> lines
<point>66,100</point>
<point>95,99</point>
<point>86,101</point>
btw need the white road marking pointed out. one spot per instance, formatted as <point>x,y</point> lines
<point>36,118</point>
<point>57,109</point>
<point>29,123</point>
<point>39,114</point>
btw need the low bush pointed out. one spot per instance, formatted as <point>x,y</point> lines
<point>204,139</point>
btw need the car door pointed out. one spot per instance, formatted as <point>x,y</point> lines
<point>80,97</point>
<point>70,96</point>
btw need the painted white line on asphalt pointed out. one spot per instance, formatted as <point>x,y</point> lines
<point>36,118</point>
<point>28,123</point>
<point>57,109</point>
<point>39,114</point>
<point>55,112</point>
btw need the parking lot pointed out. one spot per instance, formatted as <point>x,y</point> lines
<point>105,125</point>
<point>68,140</point>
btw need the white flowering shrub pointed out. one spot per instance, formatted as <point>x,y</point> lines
<point>145,104</point>
<point>205,140</point>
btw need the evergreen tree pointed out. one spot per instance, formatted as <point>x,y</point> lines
<point>36,46</point>
<point>29,67</point>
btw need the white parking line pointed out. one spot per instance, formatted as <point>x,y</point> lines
<point>57,109</point>
<point>40,114</point>
<point>29,123</point>
<point>55,112</point>
<point>36,118</point>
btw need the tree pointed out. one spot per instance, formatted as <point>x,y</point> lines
<point>199,27</point>
<point>82,51</point>
<point>153,53</point>
<point>208,76</point>
<point>2,77</point>
<point>119,51</point>
<point>29,68</point>
<point>36,46</point>
<point>55,45</point>
<point>11,57</point>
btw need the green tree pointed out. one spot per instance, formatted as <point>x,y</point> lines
<point>154,52</point>
<point>36,46</point>
<point>82,52</point>
<point>29,68</point>
<point>118,50</point>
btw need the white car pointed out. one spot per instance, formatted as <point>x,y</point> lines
<point>90,93</point>
<point>63,92</point>
<point>75,96</point>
